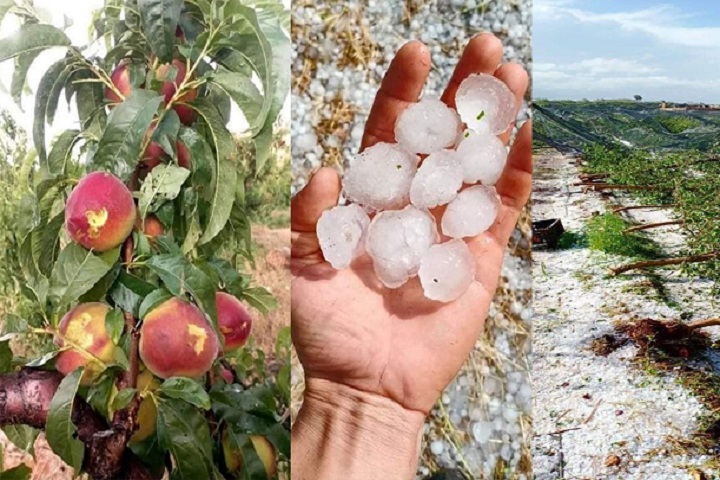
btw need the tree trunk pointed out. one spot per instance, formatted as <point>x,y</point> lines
<point>643,207</point>
<point>663,262</point>
<point>648,226</point>
<point>25,398</point>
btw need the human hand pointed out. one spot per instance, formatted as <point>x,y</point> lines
<point>394,349</point>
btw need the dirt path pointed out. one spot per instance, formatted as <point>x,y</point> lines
<point>272,272</point>
<point>598,417</point>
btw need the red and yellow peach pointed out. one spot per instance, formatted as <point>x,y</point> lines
<point>176,340</point>
<point>82,331</point>
<point>234,321</point>
<point>100,212</point>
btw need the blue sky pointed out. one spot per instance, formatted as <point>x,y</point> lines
<point>661,50</point>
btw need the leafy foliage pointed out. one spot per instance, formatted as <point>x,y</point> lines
<point>130,99</point>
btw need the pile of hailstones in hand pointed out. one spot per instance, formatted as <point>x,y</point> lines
<point>459,171</point>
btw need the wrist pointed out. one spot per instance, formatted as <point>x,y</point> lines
<point>345,433</point>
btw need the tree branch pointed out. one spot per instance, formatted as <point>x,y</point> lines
<point>643,207</point>
<point>664,262</point>
<point>648,226</point>
<point>25,398</point>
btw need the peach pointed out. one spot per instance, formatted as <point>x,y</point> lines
<point>264,449</point>
<point>154,154</point>
<point>147,413</point>
<point>169,88</point>
<point>183,154</point>
<point>120,77</point>
<point>100,212</point>
<point>90,345</point>
<point>176,340</point>
<point>233,319</point>
<point>226,375</point>
<point>151,227</point>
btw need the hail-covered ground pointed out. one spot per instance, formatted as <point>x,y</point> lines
<point>481,426</point>
<point>602,416</point>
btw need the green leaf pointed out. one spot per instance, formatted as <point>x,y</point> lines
<point>245,95</point>
<point>183,431</point>
<point>6,357</point>
<point>60,430</point>
<point>180,276</point>
<point>5,5</point>
<point>100,289</point>
<point>23,63</point>
<point>162,184</point>
<point>249,39</point>
<point>62,150</point>
<point>22,436</point>
<point>32,37</point>
<point>21,472</point>
<point>160,20</point>
<point>46,243</point>
<point>99,393</point>
<point>221,194</point>
<point>44,360</point>
<point>129,291</point>
<point>263,147</point>
<point>152,300</point>
<point>115,324</point>
<point>123,398</point>
<point>260,298</point>
<point>119,148</point>
<point>241,444</point>
<point>90,103</point>
<point>167,132</point>
<point>13,326</point>
<point>75,272</point>
<point>187,390</point>
<point>42,99</point>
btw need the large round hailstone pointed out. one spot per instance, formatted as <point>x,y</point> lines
<point>427,126</point>
<point>472,212</point>
<point>379,178</point>
<point>447,270</point>
<point>485,104</point>
<point>397,240</point>
<point>483,157</point>
<point>437,180</point>
<point>340,231</point>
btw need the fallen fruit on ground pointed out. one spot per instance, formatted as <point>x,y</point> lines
<point>264,449</point>
<point>100,212</point>
<point>147,413</point>
<point>82,331</point>
<point>234,320</point>
<point>176,340</point>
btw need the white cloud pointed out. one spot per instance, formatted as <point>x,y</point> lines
<point>663,22</point>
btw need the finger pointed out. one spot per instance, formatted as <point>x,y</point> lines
<point>516,78</point>
<point>402,85</point>
<point>482,54</point>
<point>321,193</point>
<point>514,186</point>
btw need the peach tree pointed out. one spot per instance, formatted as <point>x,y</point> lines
<point>131,240</point>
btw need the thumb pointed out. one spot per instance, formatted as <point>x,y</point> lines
<point>321,193</point>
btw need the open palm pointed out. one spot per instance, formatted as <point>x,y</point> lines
<point>349,329</point>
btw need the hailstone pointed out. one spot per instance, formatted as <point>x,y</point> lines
<point>437,180</point>
<point>447,270</point>
<point>341,232</point>
<point>483,157</point>
<point>427,126</point>
<point>472,212</point>
<point>379,178</point>
<point>485,104</point>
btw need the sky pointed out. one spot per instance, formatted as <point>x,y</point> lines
<point>661,50</point>
<point>78,14</point>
